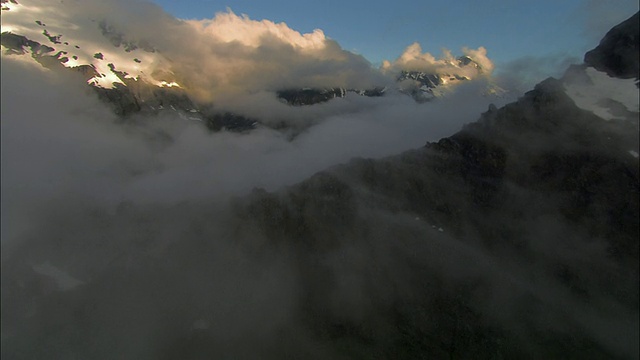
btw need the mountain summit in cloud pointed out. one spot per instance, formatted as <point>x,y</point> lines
<point>231,53</point>
<point>358,227</point>
<point>204,68</point>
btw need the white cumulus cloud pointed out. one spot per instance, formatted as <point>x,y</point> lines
<point>413,59</point>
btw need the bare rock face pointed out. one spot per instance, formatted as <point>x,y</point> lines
<point>617,53</point>
<point>311,96</point>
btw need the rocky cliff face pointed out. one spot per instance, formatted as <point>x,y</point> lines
<point>617,53</point>
<point>309,96</point>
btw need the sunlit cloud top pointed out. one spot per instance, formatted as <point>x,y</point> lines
<point>229,27</point>
<point>213,59</point>
<point>413,59</point>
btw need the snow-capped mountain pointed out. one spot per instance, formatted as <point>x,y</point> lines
<point>126,72</point>
<point>54,30</point>
<point>426,86</point>
<point>422,86</point>
<point>608,81</point>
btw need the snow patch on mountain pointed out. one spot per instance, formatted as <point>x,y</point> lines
<point>602,94</point>
<point>77,39</point>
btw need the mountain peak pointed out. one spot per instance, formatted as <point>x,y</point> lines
<point>617,53</point>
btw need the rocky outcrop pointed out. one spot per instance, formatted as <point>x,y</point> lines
<point>309,96</point>
<point>229,121</point>
<point>17,44</point>
<point>299,97</point>
<point>617,53</point>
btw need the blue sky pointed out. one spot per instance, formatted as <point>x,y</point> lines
<point>544,29</point>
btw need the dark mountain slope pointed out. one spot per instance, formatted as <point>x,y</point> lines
<point>539,183</point>
<point>505,240</point>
